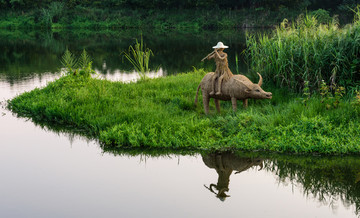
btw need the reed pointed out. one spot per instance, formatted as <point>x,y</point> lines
<point>307,50</point>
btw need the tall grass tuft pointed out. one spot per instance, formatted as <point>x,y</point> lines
<point>308,50</point>
<point>139,56</point>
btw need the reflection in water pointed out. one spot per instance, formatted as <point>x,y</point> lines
<point>23,54</point>
<point>225,163</point>
<point>129,77</point>
<point>330,181</point>
<point>327,179</point>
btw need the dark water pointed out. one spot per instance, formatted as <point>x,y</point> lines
<point>52,174</point>
<point>24,54</point>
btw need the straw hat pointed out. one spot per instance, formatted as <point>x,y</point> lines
<point>220,45</point>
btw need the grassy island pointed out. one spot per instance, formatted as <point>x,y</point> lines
<point>160,113</point>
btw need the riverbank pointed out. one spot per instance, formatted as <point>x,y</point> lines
<point>159,113</point>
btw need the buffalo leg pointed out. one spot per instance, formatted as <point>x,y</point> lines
<point>245,103</point>
<point>217,104</point>
<point>233,102</point>
<point>219,85</point>
<point>206,99</point>
<point>213,81</point>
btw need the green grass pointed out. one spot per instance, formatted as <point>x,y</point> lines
<point>308,50</point>
<point>160,113</point>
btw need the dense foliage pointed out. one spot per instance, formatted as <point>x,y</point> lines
<point>160,113</point>
<point>308,50</point>
<point>160,14</point>
<point>163,4</point>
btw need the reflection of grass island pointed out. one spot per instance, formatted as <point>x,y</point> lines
<point>159,113</point>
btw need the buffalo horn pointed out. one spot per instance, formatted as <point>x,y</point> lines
<point>260,80</point>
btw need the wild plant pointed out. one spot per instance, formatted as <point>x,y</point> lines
<point>306,93</point>
<point>324,90</point>
<point>84,60</point>
<point>85,64</point>
<point>68,61</point>
<point>339,94</point>
<point>139,56</point>
<point>356,101</point>
<point>327,98</point>
<point>81,65</point>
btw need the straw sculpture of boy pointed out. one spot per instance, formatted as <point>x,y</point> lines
<point>222,71</point>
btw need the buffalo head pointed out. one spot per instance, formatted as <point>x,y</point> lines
<point>253,90</point>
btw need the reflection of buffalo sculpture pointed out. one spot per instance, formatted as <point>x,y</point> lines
<point>238,87</point>
<point>224,164</point>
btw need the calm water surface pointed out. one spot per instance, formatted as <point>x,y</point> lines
<point>51,174</point>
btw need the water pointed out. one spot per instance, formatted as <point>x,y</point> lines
<point>51,174</point>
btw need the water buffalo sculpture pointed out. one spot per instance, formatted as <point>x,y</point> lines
<point>238,87</point>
